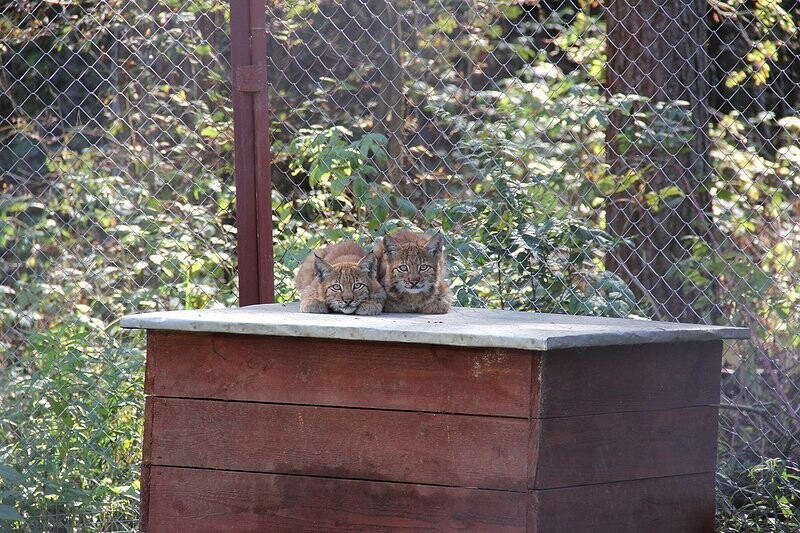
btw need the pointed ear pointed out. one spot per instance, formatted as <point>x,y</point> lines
<point>369,264</point>
<point>390,245</point>
<point>321,267</point>
<point>435,244</point>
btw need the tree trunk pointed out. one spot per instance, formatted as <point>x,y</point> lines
<point>656,49</point>
<point>390,113</point>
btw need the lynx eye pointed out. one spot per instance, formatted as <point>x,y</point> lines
<point>423,268</point>
<point>403,268</point>
<point>358,286</point>
<point>336,287</point>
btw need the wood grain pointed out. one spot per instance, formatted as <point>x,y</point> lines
<point>201,500</point>
<point>453,450</point>
<point>150,359</point>
<point>144,496</point>
<point>147,447</point>
<point>590,449</point>
<point>680,504</point>
<point>341,373</point>
<point>248,433</point>
<point>614,379</point>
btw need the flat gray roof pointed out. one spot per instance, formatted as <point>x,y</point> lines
<point>460,327</point>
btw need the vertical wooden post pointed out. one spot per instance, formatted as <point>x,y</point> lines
<point>252,151</point>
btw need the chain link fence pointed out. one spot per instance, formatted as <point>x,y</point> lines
<point>617,159</point>
<point>115,196</point>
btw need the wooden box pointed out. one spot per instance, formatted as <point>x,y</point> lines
<point>265,419</point>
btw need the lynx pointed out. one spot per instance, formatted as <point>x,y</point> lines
<point>411,268</point>
<point>341,278</point>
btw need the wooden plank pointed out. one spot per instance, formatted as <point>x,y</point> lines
<point>185,499</point>
<point>342,373</point>
<point>150,359</point>
<point>144,474</point>
<point>591,449</point>
<point>469,451</point>
<point>535,428</point>
<point>630,378</point>
<point>144,497</point>
<point>680,504</point>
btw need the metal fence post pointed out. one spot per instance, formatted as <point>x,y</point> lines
<point>252,152</point>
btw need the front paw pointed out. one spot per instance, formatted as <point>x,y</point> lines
<point>313,306</point>
<point>394,306</point>
<point>435,308</point>
<point>369,309</point>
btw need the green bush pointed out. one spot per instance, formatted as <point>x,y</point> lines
<point>70,428</point>
<point>766,497</point>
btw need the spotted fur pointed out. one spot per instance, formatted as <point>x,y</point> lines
<point>411,267</point>
<point>341,278</point>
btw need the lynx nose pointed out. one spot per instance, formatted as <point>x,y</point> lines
<point>347,301</point>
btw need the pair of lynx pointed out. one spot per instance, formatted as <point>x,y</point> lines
<point>404,274</point>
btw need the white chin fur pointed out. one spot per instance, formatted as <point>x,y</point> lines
<point>415,290</point>
<point>348,310</point>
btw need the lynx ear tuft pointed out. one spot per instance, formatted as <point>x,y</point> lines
<point>321,267</point>
<point>435,244</point>
<point>369,264</point>
<point>390,244</point>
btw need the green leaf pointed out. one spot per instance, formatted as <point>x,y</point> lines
<point>209,132</point>
<point>360,187</point>
<point>369,170</point>
<point>446,23</point>
<point>339,184</point>
<point>11,476</point>
<point>381,208</point>
<point>9,513</point>
<point>406,207</point>
<point>319,173</point>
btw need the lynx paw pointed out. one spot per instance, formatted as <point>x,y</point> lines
<point>435,308</point>
<point>369,309</point>
<point>313,306</point>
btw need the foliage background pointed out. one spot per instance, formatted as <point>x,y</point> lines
<point>487,119</point>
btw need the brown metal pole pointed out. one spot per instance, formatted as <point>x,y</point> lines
<point>261,122</point>
<point>251,152</point>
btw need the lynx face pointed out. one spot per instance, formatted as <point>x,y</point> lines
<point>413,269</point>
<point>340,278</point>
<point>346,285</point>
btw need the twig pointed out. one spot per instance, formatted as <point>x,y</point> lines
<point>748,408</point>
